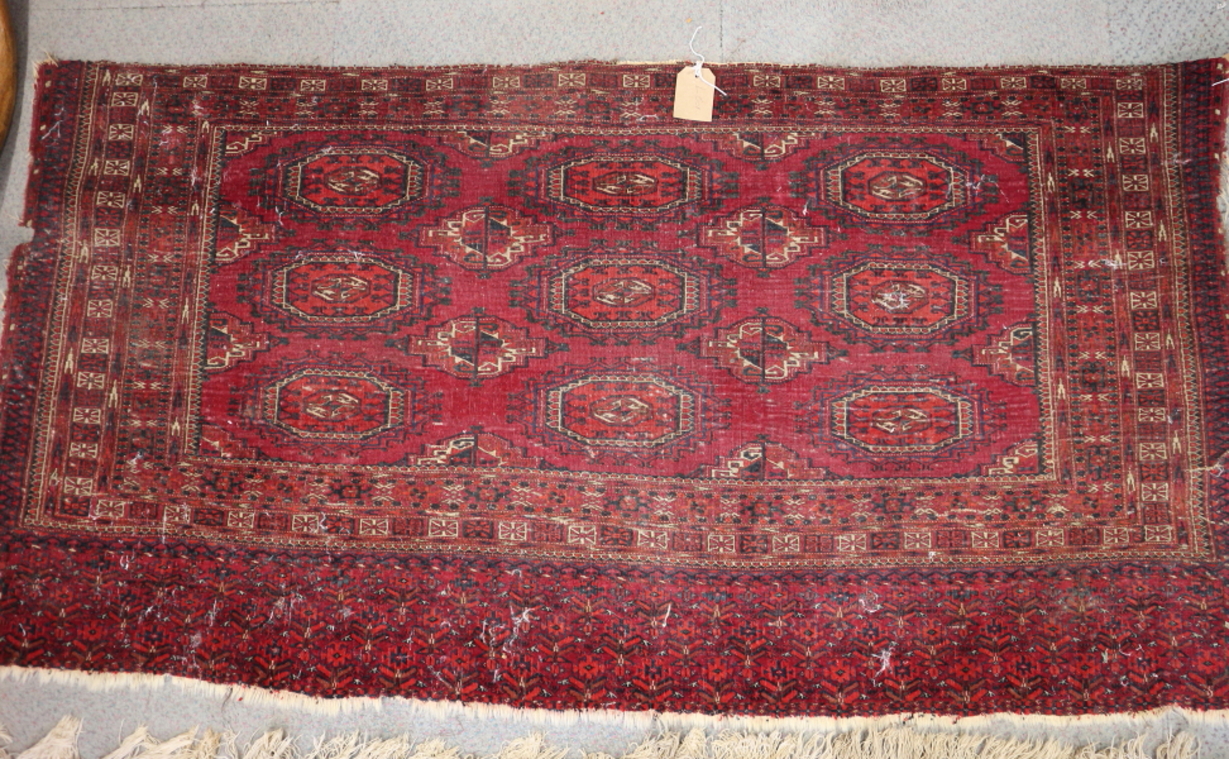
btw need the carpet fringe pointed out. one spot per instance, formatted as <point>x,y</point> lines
<point>60,743</point>
<point>274,744</point>
<point>890,743</point>
<point>136,742</point>
<point>662,723</point>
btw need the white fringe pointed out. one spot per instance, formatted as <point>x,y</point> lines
<point>104,681</point>
<point>138,741</point>
<point>644,722</point>
<point>890,743</point>
<point>60,743</point>
<point>274,744</point>
<point>182,746</point>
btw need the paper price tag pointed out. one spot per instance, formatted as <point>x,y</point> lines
<point>693,96</point>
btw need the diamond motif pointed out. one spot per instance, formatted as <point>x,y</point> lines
<point>763,350</point>
<point>769,237</point>
<point>487,238</point>
<point>477,347</point>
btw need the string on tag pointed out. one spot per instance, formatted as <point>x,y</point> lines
<point>1213,83</point>
<point>700,62</point>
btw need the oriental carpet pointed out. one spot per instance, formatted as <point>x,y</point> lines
<point>886,391</point>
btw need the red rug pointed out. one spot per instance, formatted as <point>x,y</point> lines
<point>885,391</point>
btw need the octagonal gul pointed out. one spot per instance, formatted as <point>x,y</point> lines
<point>618,293</point>
<point>621,411</point>
<point>620,184</point>
<point>354,181</point>
<point>898,186</point>
<point>333,404</point>
<point>902,419</point>
<point>342,289</point>
<point>622,295</point>
<point>894,297</point>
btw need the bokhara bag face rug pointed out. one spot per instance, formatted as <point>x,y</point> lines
<point>885,391</point>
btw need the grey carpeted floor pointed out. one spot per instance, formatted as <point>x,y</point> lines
<point>840,32</point>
